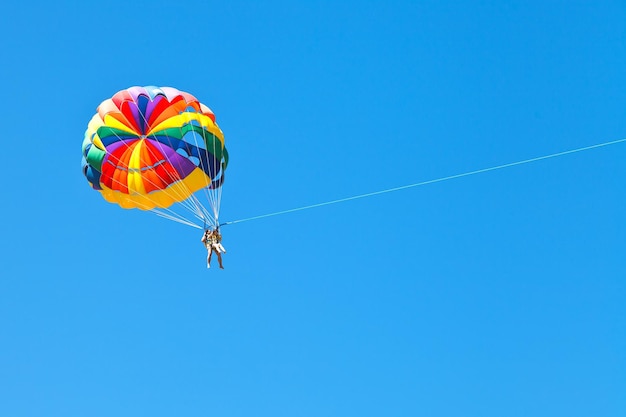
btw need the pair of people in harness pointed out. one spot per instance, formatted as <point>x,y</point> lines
<point>212,240</point>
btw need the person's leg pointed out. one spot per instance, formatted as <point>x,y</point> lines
<point>208,259</point>
<point>219,260</point>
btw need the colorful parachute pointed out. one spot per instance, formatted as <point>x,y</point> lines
<point>151,147</point>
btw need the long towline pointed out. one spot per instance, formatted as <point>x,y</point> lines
<point>419,184</point>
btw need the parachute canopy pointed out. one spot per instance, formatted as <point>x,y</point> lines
<point>151,147</point>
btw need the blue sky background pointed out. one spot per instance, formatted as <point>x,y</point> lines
<point>499,294</point>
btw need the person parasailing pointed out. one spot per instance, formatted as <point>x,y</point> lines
<point>212,240</point>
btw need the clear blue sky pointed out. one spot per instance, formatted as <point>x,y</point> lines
<point>499,294</point>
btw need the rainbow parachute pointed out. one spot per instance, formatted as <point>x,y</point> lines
<point>151,147</point>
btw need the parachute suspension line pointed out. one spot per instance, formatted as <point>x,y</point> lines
<point>213,195</point>
<point>206,215</point>
<point>191,205</point>
<point>208,192</point>
<point>215,192</point>
<point>176,178</point>
<point>419,184</point>
<point>175,218</point>
<point>172,216</point>
<point>222,172</point>
<point>201,212</point>
<point>218,190</point>
<point>212,217</point>
<point>150,182</point>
